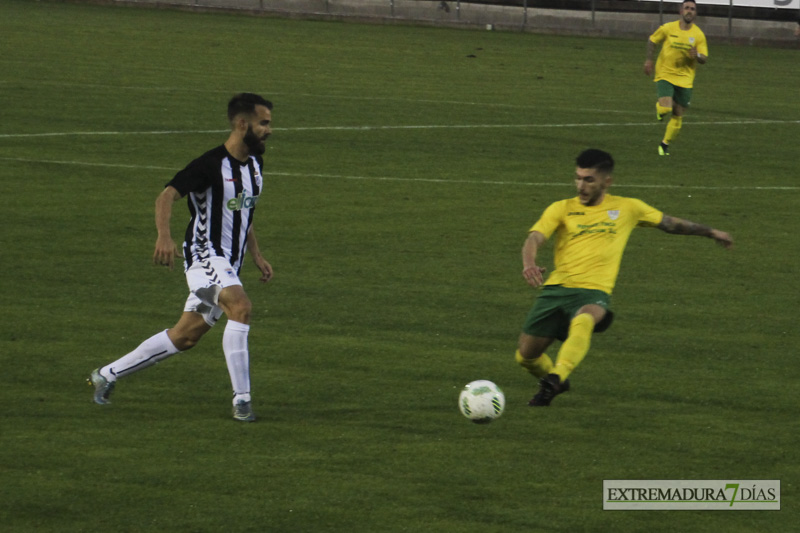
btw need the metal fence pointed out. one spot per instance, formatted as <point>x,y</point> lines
<point>753,20</point>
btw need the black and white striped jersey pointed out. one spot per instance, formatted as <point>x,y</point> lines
<point>223,193</point>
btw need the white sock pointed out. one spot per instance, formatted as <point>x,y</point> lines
<point>234,345</point>
<point>155,349</point>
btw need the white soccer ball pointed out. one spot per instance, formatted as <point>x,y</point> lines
<point>481,401</point>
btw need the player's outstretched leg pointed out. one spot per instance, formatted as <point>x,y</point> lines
<point>572,352</point>
<point>155,349</point>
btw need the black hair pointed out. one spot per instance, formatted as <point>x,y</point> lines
<point>246,103</point>
<point>597,159</point>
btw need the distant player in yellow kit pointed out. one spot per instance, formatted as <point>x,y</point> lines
<point>591,232</point>
<point>684,46</point>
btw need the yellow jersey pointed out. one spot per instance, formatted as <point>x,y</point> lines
<point>674,64</point>
<point>590,240</point>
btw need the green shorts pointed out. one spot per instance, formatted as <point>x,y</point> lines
<point>680,95</point>
<point>556,306</point>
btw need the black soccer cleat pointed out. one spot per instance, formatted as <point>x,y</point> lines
<point>550,386</point>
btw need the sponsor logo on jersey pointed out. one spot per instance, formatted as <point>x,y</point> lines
<point>243,201</point>
<point>575,214</point>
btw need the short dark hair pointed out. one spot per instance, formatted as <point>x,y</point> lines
<point>692,1</point>
<point>597,159</point>
<point>246,103</point>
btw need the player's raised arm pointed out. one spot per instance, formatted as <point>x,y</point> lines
<point>679,226</point>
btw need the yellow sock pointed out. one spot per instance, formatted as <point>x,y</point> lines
<point>673,128</point>
<point>661,110</point>
<point>575,347</point>
<point>538,367</point>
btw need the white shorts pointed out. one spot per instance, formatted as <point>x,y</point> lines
<point>205,281</point>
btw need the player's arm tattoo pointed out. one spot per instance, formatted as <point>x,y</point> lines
<point>679,226</point>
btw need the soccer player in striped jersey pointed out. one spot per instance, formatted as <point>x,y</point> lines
<point>683,46</point>
<point>223,187</point>
<point>591,232</point>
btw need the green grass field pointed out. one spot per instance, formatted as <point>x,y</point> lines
<point>402,178</point>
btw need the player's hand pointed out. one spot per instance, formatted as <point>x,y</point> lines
<point>722,238</point>
<point>165,253</point>
<point>534,275</point>
<point>265,268</point>
<point>697,56</point>
<point>648,67</point>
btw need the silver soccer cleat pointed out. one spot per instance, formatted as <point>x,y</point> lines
<point>102,387</point>
<point>243,412</point>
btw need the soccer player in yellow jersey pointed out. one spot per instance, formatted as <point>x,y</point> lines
<point>683,46</point>
<point>591,231</point>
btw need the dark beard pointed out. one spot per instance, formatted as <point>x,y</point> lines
<point>254,144</point>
